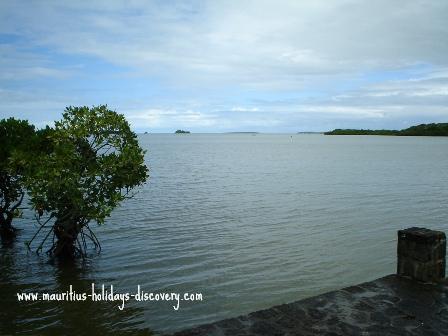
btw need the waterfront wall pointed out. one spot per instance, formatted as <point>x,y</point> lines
<point>411,302</point>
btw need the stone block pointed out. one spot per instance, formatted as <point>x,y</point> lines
<point>421,254</point>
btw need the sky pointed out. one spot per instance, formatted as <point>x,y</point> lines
<point>222,65</point>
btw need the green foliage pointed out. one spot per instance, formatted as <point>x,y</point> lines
<point>361,132</point>
<point>16,138</point>
<point>75,173</point>
<point>440,129</point>
<point>93,164</point>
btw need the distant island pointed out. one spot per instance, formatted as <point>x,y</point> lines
<point>440,129</point>
<point>182,132</point>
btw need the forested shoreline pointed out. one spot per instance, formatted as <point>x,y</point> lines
<point>439,129</point>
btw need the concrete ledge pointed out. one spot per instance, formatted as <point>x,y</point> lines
<point>393,305</point>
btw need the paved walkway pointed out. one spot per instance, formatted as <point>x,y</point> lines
<point>392,305</point>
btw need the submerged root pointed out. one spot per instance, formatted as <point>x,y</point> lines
<point>66,244</point>
<point>7,233</point>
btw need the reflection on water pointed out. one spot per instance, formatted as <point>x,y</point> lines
<point>58,317</point>
<point>248,221</point>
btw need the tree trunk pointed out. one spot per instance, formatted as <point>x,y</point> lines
<point>7,231</point>
<point>66,231</point>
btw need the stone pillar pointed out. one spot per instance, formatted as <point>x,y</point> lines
<point>421,254</point>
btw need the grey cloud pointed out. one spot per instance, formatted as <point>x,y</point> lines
<point>235,40</point>
<point>264,46</point>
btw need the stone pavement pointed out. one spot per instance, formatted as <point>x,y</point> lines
<point>393,305</point>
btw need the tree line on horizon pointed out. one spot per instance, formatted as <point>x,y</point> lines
<point>73,174</point>
<point>434,129</point>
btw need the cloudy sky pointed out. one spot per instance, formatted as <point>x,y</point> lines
<point>213,66</point>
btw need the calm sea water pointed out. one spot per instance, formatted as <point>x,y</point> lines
<point>249,221</point>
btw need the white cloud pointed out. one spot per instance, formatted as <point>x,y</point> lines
<point>210,51</point>
<point>17,63</point>
<point>340,110</point>
<point>164,118</point>
<point>244,109</point>
<point>251,41</point>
